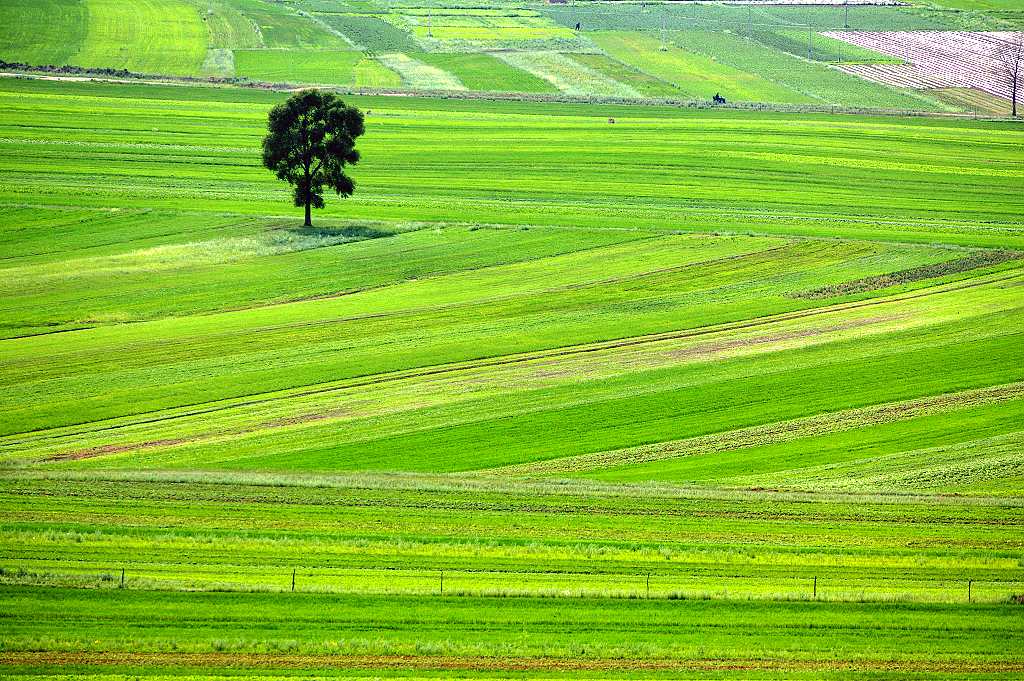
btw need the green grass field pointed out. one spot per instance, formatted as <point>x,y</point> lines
<point>372,33</point>
<point>353,635</point>
<point>485,72</point>
<point>32,27</point>
<point>639,81</point>
<point>653,17</point>
<point>146,36</point>
<point>229,28</point>
<point>818,47</point>
<point>143,35</point>
<point>348,68</point>
<point>991,15</point>
<point>693,73</point>
<point>419,75</point>
<point>569,75</point>
<point>565,390</point>
<point>298,66</point>
<point>279,25</point>
<point>802,79</point>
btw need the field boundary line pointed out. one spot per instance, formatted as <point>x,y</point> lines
<point>477,481</point>
<point>455,663</point>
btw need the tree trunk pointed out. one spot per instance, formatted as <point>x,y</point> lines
<point>307,195</point>
<point>1013,93</point>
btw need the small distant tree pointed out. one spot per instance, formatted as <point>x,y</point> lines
<point>310,139</point>
<point>1010,64</point>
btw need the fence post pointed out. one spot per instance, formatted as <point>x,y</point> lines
<point>122,578</point>
<point>442,582</point>
<point>293,580</point>
<point>969,583</point>
<point>648,586</point>
<point>815,586</point>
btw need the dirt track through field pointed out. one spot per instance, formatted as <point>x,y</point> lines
<point>209,661</point>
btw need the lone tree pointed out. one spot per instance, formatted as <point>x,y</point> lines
<point>1010,65</point>
<point>311,139</point>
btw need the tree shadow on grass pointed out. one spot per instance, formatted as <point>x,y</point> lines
<point>347,232</point>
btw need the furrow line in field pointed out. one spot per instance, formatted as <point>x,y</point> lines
<point>413,311</point>
<point>454,663</point>
<point>772,433</point>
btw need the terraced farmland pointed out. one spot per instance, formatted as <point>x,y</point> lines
<point>563,390</point>
<point>752,54</point>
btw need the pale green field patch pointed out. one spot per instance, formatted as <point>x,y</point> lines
<point>418,75</point>
<point>299,66</point>
<point>148,36</point>
<point>567,75</point>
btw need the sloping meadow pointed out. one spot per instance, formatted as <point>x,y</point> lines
<point>562,389</point>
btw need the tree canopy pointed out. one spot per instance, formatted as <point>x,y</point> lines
<point>310,139</point>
